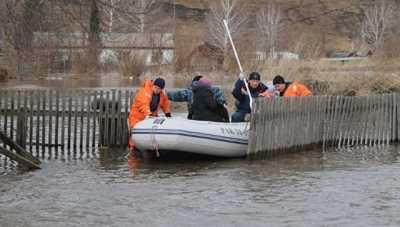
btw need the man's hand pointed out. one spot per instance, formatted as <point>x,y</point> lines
<point>242,76</point>
<point>244,91</point>
<point>267,94</point>
<point>153,114</point>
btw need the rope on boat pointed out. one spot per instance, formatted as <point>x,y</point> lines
<point>154,141</point>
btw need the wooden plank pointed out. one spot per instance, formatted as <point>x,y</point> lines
<point>25,112</point>
<point>88,117</point>
<point>119,128</point>
<point>37,138</point>
<point>31,125</point>
<point>44,103</point>
<point>50,134</point>
<point>394,117</point>
<point>17,148</point>
<point>63,116</point>
<point>107,120</point>
<point>112,118</point>
<point>6,100</point>
<point>82,113</point>
<point>94,119</point>
<point>127,133</point>
<point>57,119</point>
<point>69,118</point>
<point>12,114</point>
<point>19,158</point>
<point>75,108</point>
<point>101,119</point>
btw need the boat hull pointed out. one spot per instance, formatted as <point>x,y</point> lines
<point>200,137</point>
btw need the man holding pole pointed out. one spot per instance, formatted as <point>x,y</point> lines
<point>242,92</point>
<point>242,96</point>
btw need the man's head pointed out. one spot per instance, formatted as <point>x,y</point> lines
<point>254,79</point>
<point>158,85</point>
<point>279,83</point>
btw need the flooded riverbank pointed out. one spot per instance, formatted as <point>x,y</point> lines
<point>334,188</point>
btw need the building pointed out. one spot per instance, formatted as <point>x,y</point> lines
<point>154,48</point>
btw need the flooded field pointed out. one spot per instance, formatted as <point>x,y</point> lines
<point>358,187</point>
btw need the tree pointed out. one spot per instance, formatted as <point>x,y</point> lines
<point>268,24</point>
<point>234,13</point>
<point>378,19</point>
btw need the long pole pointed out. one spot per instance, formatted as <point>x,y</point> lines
<point>238,62</point>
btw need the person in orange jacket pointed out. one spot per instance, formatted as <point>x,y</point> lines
<point>290,89</point>
<point>148,101</point>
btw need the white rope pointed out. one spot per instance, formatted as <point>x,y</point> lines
<point>154,141</point>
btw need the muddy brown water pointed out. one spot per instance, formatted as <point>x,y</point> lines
<point>348,187</point>
<point>352,187</point>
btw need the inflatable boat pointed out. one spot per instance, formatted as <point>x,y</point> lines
<point>199,137</point>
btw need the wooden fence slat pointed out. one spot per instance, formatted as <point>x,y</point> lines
<point>57,119</point>
<point>118,126</point>
<point>31,110</point>
<point>50,108</point>
<point>106,120</point>
<point>112,119</point>
<point>81,126</point>
<point>89,112</point>
<point>12,115</point>
<point>101,119</point>
<point>75,113</point>
<point>94,119</point>
<point>69,120</point>
<point>62,127</point>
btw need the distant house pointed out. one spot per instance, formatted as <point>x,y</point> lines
<point>206,57</point>
<point>155,48</point>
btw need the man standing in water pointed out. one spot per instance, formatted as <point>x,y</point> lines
<point>148,101</point>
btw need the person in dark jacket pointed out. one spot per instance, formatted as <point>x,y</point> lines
<point>204,106</point>
<point>257,89</point>
<point>186,95</point>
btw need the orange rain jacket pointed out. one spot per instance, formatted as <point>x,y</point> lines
<point>297,89</point>
<point>141,106</point>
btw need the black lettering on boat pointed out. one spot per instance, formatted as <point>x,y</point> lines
<point>159,121</point>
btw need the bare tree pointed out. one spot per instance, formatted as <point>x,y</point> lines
<point>268,23</point>
<point>142,7</point>
<point>233,12</point>
<point>378,19</point>
<point>110,12</point>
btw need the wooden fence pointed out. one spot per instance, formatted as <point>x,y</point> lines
<point>285,124</point>
<point>67,120</point>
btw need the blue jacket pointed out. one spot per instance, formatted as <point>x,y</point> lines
<point>186,95</point>
<point>243,101</point>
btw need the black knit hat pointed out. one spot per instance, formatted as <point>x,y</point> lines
<point>160,82</point>
<point>278,80</point>
<point>254,76</point>
<point>197,78</point>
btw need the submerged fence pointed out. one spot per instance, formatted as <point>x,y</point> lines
<point>70,120</point>
<point>80,120</point>
<point>284,124</point>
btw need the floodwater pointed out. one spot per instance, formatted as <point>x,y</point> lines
<point>352,187</point>
<point>349,187</point>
